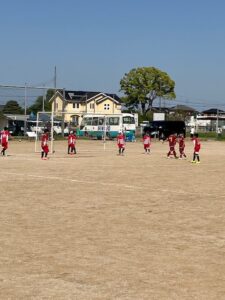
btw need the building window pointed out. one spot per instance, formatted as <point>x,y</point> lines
<point>75,105</point>
<point>92,106</point>
<point>106,106</point>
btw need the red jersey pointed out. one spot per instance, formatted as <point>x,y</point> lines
<point>121,140</point>
<point>44,140</point>
<point>197,144</point>
<point>181,142</point>
<point>146,141</point>
<point>172,140</point>
<point>71,139</point>
<point>4,137</point>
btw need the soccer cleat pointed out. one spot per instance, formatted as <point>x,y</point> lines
<point>193,162</point>
<point>197,162</point>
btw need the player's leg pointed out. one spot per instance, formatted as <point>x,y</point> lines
<point>198,158</point>
<point>3,151</point>
<point>174,153</point>
<point>181,152</point>
<point>194,157</point>
<point>169,153</point>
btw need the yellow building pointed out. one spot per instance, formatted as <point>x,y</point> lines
<point>75,104</point>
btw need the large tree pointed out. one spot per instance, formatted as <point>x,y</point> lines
<point>12,107</point>
<point>38,104</point>
<point>143,85</point>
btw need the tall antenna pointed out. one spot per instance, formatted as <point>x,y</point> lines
<point>55,78</point>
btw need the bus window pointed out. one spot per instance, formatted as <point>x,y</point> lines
<point>95,121</point>
<point>85,122</point>
<point>128,120</point>
<point>113,120</point>
<point>100,121</point>
<point>88,121</point>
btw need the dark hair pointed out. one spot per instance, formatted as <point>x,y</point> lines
<point>196,135</point>
<point>5,128</point>
<point>45,130</point>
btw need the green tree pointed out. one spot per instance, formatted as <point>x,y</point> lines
<point>38,104</point>
<point>12,107</point>
<point>143,85</point>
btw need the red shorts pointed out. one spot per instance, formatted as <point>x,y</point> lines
<point>72,146</point>
<point>121,146</point>
<point>146,146</point>
<point>5,145</point>
<point>45,148</point>
<point>181,149</point>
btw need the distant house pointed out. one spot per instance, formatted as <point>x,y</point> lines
<point>3,121</point>
<point>213,112</point>
<point>183,108</point>
<point>75,104</point>
<point>211,118</point>
<point>16,123</point>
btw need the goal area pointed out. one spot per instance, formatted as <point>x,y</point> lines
<point>55,124</point>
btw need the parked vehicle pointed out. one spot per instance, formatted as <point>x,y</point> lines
<point>162,129</point>
<point>98,125</point>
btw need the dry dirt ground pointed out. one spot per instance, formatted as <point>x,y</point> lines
<point>101,226</point>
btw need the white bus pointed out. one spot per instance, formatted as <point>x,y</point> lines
<point>100,125</point>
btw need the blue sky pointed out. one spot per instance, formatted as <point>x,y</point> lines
<point>93,43</point>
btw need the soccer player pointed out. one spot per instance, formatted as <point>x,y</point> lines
<point>4,140</point>
<point>172,139</point>
<point>181,143</point>
<point>44,145</point>
<point>71,143</point>
<point>121,142</point>
<point>197,147</point>
<point>147,143</point>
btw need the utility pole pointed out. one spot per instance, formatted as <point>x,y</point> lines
<point>63,110</point>
<point>55,78</point>
<point>25,110</point>
<point>217,121</point>
<point>160,98</point>
<point>44,100</point>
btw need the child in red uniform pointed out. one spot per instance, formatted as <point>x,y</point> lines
<point>4,140</point>
<point>181,143</point>
<point>71,143</point>
<point>121,143</point>
<point>147,143</point>
<point>172,139</point>
<point>44,145</point>
<point>197,147</point>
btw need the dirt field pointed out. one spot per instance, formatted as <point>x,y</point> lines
<point>102,226</point>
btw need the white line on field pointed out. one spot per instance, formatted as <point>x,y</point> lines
<point>120,185</point>
<point>74,180</point>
